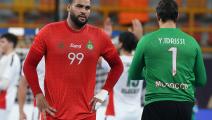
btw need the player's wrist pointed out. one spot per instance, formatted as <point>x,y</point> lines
<point>38,95</point>
<point>102,95</point>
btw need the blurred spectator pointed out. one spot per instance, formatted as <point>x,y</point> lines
<point>9,74</point>
<point>126,45</point>
<point>125,98</point>
<point>0,52</point>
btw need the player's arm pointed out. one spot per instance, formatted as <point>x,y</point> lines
<point>199,69</point>
<point>30,65</point>
<point>110,110</point>
<point>37,51</point>
<point>137,65</point>
<point>110,54</point>
<point>22,97</point>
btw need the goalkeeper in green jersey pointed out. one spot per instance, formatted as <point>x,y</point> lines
<point>171,63</point>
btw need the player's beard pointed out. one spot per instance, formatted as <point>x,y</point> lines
<point>76,20</point>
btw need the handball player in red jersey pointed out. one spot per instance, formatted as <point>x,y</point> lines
<point>71,49</point>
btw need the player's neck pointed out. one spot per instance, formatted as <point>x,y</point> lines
<point>72,25</point>
<point>9,51</point>
<point>125,53</point>
<point>167,24</point>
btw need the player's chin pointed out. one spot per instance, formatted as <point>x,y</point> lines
<point>82,20</point>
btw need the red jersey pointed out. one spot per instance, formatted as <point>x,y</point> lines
<point>71,58</point>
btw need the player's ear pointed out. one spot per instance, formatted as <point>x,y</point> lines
<point>120,45</point>
<point>68,7</point>
<point>158,18</point>
<point>178,16</point>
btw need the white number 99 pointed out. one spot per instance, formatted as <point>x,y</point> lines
<point>73,56</point>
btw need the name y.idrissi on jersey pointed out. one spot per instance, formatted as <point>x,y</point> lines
<point>176,41</point>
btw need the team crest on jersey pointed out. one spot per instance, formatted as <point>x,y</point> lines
<point>90,45</point>
<point>61,45</point>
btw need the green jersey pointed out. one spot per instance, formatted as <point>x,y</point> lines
<point>171,63</point>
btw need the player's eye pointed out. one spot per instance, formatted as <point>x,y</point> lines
<point>79,6</point>
<point>87,7</point>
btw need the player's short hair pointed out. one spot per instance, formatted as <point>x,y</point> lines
<point>69,1</point>
<point>167,10</point>
<point>10,38</point>
<point>128,40</point>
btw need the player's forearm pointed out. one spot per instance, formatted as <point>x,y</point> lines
<point>30,65</point>
<point>22,94</point>
<point>136,67</point>
<point>201,78</point>
<point>115,72</point>
<point>200,72</point>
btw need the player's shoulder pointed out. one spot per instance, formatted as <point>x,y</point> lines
<point>55,24</point>
<point>147,37</point>
<point>94,29</point>
<point>151,34</point>
<point>190,38</point>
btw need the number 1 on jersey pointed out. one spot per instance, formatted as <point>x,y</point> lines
<point>174,60</point>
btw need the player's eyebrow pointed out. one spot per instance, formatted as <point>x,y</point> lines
<point>87,7</point>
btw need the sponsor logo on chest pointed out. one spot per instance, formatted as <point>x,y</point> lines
<point>76,46</point>
<point>89,45</point>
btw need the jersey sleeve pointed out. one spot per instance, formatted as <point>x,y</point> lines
<point>39,43</point>
<point>199,69</point>
<point>110,54</point>
<point>110,110</point>
<point>137,65</point>
<point>107,47</point>
<point>30,65</point>
<point>37,51</point>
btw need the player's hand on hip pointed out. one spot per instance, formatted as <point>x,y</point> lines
<point>98,99</point>
<point>22,116</point>
<point>43,106</point>
<point>95,103</point>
